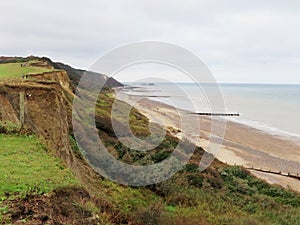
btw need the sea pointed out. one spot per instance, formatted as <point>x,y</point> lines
<point>273,108</point>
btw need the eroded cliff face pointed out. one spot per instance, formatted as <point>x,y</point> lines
<point>42,104</point>
<point>60,77</point>
<point>39,103</point>
<point>40,107</point>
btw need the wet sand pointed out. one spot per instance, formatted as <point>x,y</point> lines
<point>242,145</point>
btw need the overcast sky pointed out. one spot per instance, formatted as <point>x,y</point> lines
<point>240,41</point>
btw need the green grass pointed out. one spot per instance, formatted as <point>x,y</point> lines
<point>14,70</point>
<point>238,199</point>
<point>25,165</point>
<point>220,195</point>
<point>175,201</point>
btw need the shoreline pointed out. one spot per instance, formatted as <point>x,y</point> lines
<point>281,134</point>
<point>242,145</point>
<point>264,127</point>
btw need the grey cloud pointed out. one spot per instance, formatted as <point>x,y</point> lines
<point>234,37</point>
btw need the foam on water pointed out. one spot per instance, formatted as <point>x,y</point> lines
<point>268,107</point>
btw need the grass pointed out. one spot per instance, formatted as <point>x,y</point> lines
<point>176,201</point>
<point>239,199</point>
<point>14,70</point>
<point>25,165</point>
<point>219,195</point>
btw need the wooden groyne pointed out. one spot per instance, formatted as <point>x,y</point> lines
<point>216,114</point>
<point>295,176</point>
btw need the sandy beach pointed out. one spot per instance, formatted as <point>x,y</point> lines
<point>242,145</point>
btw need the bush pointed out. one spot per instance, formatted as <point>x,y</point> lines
<point>150,215</point>
<point>160,156</point>
<point>181,199</point>
<point>191,168</point>
<point>195,180</point>
<point>7,127</point>
<point>235,171</point>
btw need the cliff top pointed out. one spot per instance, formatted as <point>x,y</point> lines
<point>18,70</point>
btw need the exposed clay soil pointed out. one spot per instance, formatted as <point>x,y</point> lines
<point>63,206</point>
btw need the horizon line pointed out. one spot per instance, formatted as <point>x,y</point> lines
<point>183,82</point>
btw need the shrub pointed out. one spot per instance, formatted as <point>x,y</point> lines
<point>7,127</point>
<point>191,168</point>
<point>195,180</point>
<point>150,215</point>
<point>235,171</point>
<point>181,199</point>
<point>160,156</point>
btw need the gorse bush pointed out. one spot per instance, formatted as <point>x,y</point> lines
<point>241,181</point>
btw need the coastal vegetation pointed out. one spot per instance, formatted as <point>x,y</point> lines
<point>38,187</point>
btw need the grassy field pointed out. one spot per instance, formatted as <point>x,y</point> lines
<point>25,165</point>
<point>14,70</point>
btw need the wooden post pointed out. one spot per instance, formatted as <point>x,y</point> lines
<point>22,107</point>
